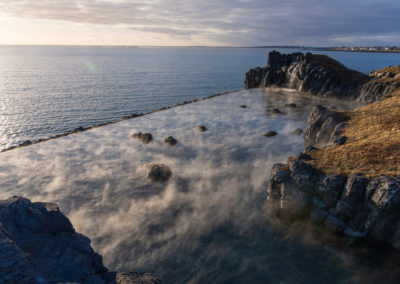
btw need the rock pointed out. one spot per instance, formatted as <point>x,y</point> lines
<point>25,143</point>
<point>276,111</point>
<point>38,244</point>
<point>324,127</point>
<point>270,133</point>
<point>243,106</point>
<point>170,141</point>
<point>143,137</point>
<point>201,128</point>
<point>315,74</point>
<point>158,172</point>
<point>136,278</point>
<point>298,131</point>
<point>292,105</point>
<point>43,244</point>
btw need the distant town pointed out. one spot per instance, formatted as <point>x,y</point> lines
<point>366,48</point>
<point>343,48</point>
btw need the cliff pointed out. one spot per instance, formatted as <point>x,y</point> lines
<point>321,75</point>
<point>351,184</point>
<point>38,244</point>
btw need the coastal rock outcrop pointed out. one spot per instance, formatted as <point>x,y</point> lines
<point>319,75</point>
<point>354,206</point>
<point>325,127</point>
<point>158,172</point>
<point>38,244</point>
<point>146,138</point>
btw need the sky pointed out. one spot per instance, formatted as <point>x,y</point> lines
<point>200,22</point>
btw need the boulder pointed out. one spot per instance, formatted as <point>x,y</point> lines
<point>201,128</point>
<point>170,141</point>
<point>158,172</point>
<point>143,137</point>
<point>270,133</point>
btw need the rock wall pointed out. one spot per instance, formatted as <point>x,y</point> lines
<point>38,244</point>
<point>318,75</point>
<point>354,206</point>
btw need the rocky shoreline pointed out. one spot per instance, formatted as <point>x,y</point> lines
<point>38,244</point>
<point>320,75</point>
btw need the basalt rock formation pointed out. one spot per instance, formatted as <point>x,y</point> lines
<point>351,204</point>
<point>355,206</point>
<point>38,244</point>
<point>319,75</point>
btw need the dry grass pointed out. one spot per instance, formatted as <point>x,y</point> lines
<point>373,145</point>
<point>395,70</point>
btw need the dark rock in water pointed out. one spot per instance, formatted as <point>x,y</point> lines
<point>170,141</point>
<point>201,128</point>
<point>143,137</point>
<point>298,131</point>
<point>243,106</point>
<point>158,172</point>
<point>270,133</point>
<point>292,105</point>
<point>320,75</point>
<point>276,111</point>
<point>324,127</point>
<point>136,278</point>
<point>38,244</point>
<point>26,143</point>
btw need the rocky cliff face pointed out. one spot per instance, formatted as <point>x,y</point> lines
<point>38,244</point>
<point>354,206</point>
<point>318,75</point>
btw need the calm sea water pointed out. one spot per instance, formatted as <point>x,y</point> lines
<point>46,91</point>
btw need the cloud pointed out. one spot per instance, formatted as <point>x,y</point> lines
<point>236,22</point>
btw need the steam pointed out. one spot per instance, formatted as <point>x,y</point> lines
<point>207,222</point>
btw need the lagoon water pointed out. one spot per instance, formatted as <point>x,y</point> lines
<point>207,224</point>
<point>45,91</point>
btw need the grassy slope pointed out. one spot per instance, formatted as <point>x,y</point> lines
<point>373,145</point>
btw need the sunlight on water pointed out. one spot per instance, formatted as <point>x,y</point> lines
<point>207,223</point>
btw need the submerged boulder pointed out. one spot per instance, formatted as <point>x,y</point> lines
<point>143,137</point>
<point>170,141</point>
<point>201,128</point>
<point>158,172</point>
<point>270,133</point>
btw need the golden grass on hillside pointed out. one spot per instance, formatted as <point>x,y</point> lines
<point>373,145</point>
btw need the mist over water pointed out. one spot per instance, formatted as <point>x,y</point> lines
<point>207,224</point>
<point>49,90</point>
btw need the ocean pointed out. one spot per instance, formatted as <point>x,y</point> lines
<point>49,90</point>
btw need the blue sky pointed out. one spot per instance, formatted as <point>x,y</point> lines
<point>194,22</point>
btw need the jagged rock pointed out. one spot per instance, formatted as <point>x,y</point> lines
<point>316,74</point>
<point>270,133</point>
<point>143,137</point>
<point>321,75</point>
<point>356,207</point>
<point>38,244</point>
<point>44,244</point>
<point>158,172</point>
<point>324,127</point>
<point>201,128</point>
<point>170,141</point>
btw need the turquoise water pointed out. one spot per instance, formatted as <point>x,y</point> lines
<point>46,91</point>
